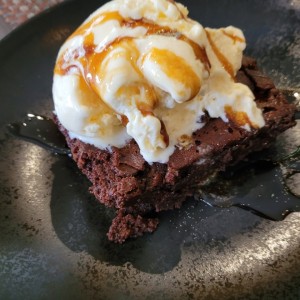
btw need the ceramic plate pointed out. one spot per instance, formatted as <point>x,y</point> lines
<point>53,241</point>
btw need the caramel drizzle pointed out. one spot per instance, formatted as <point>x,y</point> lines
<point>180,71</point>
<point>223,60</point>
<point>238,117</point>
<point>124,120</point>
<point>164,133</point>
<point>235,38</point>
<point>91,60</point>
<point>152,29</point>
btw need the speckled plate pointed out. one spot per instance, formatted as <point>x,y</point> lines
<point>52,232</point>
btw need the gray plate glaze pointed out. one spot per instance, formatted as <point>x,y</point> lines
<point>52,231</point>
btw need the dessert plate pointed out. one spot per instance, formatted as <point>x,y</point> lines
<point>52,231</point>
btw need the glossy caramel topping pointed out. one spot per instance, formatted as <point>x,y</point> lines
<point>223,60</point>
<point>147,103</point>
<point>91,99</point>
<point>91,61</point>
<point>151,27</point>
<point>176,68</point>
<point>134,91</point>
<point>199,51</point>
<point>238,117</point>
<point>235,38</point>
<point>124,120</point>
<point>164,133</point>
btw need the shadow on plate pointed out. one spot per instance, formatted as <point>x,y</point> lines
<point>261,186</point>
<point>81,223</point>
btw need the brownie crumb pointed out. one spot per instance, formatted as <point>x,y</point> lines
<point>126,226</point>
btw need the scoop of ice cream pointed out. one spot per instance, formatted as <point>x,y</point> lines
<point>144,70</point>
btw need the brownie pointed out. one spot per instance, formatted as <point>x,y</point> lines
<point>122,179</point>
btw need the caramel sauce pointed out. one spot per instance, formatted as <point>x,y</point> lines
<point>145,109</point>
<point>153,28</point>
<point>91,61</point>
<point>146,112</point>
<point>92,64</point>
<point>59,68</point>
<point>131,52</point>
<point>199,51</point>
<point>147,103</point>
<point>235,38</point>
<point>76,55</point>
<point>223,60</point>
<point>124,120</point>
<point>128,91</point>
<point>238,117</point>
<point>90,98</point>
<point>89,47</point>
<point>181,14</point>
<point>175,67</point>
<point>164,133</point>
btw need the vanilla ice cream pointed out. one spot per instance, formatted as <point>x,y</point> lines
<point>143,70</point>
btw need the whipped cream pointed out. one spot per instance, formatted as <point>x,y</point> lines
<point>143,70</point>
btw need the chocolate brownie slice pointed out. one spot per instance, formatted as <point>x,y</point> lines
<point>124,180</point>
